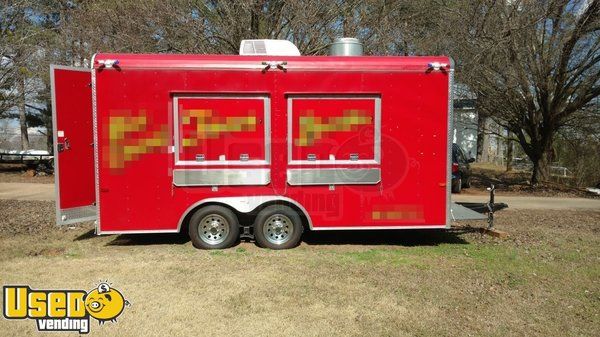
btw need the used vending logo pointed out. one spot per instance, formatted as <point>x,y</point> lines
<point>64,310</point>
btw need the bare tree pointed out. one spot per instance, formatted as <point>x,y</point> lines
<point>533,64</point>
<point>23,37</point>
<point>17,33</point>
<point>218,26</point>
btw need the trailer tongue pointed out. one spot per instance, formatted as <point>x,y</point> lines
<point>477,210</point>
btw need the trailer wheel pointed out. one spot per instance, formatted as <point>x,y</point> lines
<point>214,227</point>
<point>278,227</point>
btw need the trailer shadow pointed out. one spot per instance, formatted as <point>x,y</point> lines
<point>138,239</point>
<point>408,238</point>
<point>86,236</point>
<point>149,239</point>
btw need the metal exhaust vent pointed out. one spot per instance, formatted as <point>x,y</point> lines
<point>346,46</point>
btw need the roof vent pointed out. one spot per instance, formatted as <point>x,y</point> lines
<point>268,47</point>
<point>346,46</point>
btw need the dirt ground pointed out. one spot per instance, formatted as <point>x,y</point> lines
<point>516,182</point>
<point>17,173</point>
<point>544,280</point>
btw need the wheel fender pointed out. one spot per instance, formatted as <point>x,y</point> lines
<point>244,205</point>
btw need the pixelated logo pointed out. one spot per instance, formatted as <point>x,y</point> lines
<point>64,310</point>
<point>205,124</point>
<point>129,136</point>
<point>397,212</point>
<point>314,128</point>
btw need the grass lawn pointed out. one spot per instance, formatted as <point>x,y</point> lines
<point>542,281</point>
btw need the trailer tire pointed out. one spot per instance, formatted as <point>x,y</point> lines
<point>278,227</point>
<point>214,227</point>
<point>457,187</point>
<point>467,183</point>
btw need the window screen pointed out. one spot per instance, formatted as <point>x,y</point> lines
<point>221,129</point>
<point>333,129</point>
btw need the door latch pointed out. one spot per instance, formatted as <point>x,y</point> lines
<point>65,145</point>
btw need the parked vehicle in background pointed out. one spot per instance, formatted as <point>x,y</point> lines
<point>40,160</point>
<point>461,170</point>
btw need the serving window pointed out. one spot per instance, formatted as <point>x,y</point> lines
<point>219,130</point>
<point>334,129</point>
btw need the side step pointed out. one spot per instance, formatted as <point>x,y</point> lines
<point>460,212</point>
<point>483,207</point>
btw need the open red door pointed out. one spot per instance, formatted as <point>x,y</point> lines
<point>73,144</point>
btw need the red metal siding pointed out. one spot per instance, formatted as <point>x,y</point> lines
<point>136,189</point>
<point>413,144</point>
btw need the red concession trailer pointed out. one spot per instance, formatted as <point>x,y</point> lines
<point>269,146</point>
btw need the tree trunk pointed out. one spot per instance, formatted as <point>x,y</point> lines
<point>541,167</point>
<point>509,153</point>
<point>22,115</point>
<point>480,137</point>
<point>255,18</point>
<point>49,135</point>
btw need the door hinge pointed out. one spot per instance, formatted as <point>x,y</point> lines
<point>281,65</point>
